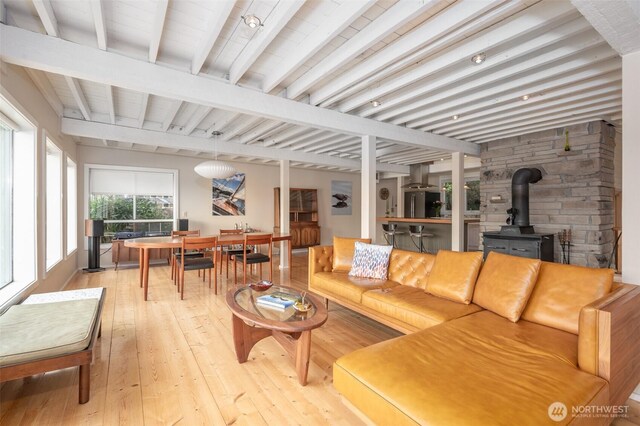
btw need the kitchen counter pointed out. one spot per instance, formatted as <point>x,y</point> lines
<point>435,220</point>
<point>440,228</point>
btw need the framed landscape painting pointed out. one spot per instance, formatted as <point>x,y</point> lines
<point>341,197</point>
<point>228,196</point>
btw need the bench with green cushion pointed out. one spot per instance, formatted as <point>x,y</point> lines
<point>41,336</point>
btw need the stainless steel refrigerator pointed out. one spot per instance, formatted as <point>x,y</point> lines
<point>419,204</point>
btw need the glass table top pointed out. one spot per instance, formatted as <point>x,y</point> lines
<point>247,299</point>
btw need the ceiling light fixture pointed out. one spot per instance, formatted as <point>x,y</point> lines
<point>215,169</point>
<point>479,58</point>
<point>455,117</point>
<point>252,21</point>
<point>525,97</point>
<point>375,104</point>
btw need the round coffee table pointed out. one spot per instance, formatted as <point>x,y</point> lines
<point>253,322</point>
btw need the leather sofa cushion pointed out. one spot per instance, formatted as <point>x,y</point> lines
<point>415,307</point>
<point>344,286</point>
<point>343,249</point>
<point>479,369</point>
<point>454,275</point>
<point>562,290</point>
<point>505,284</point>
<point>410,268</point>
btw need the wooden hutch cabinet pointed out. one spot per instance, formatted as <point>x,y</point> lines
<point>303,216</point>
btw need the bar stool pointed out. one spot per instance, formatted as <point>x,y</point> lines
<point>417,232</point>
<point>390,230</point>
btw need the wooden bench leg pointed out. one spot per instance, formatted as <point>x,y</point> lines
<point>84,384</point>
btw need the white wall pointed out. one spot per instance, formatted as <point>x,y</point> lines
<point>19,90</point>
<point>195,193</point>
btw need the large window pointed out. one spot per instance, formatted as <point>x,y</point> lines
<point>53,204</point>
<point>471,195</point>
<point>132,200</point>
<point>72,206</point>
<point>6,239</point>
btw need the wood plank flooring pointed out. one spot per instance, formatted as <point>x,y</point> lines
<point>169,362</point>
<point>172,362</point>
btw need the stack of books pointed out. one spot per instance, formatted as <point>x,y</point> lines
<point>277,300</point>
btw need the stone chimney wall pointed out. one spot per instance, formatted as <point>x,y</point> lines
<point>576,191</point>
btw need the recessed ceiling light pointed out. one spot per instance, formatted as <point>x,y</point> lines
<point>375,103</point>
<point>442,159</point>
<point>455,117</point>
<point>252,21</point>
<point>479,58</point>
<point>525,97</point>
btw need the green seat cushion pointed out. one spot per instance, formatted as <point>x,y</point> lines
<point>45,330</point>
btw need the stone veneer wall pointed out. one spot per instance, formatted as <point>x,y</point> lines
<point>576,191</point>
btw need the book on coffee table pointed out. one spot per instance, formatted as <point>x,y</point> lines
<point>277,300</point>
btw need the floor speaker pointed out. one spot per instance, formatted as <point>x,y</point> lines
<point>94,230</point>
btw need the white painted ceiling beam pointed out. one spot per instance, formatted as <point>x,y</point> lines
<point>541,110</point>
<point>47,17</point>
<point>33,50</point>
<point>99,23</point>
<point>617,21</point>
<point>111,107</point>
<point>438,26</point>
<point>264,136</point>
<point>305,136</point>
<point>331,27</point>
<point>273,24</point>
<point>287,134</point>
<point>78,96</point>
<point>551,114</point>
<point>215,25</point>
<point>551,124</point>
<point>150,138</point>
<point>240,126</point>
<point>221,119</point>
<point>314,145</point>
<point>532,19</point>
<point>520,58</point>
<point>143,110</point>
<point>157,25</point>
<point>171,115</point>
<point>42,83</point>
<point>601,75</point>
<point>513,89</point>
<point>336,146</point>
<point>259,131</point>
<point>195,119</point>
<point>551,98</point>
<point>377,30</point>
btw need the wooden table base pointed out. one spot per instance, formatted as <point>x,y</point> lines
<point>297,345</point>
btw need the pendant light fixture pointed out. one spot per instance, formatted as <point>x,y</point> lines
<point>215,169</point>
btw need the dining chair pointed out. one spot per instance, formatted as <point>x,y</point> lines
<point>176,252</point>
<point>230,249</point>
<point>255,257</point>
<point>206,246</point>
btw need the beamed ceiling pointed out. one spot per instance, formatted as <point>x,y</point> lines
<point>165,76</point>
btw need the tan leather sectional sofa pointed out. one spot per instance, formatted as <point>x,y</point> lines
<point>512,341</point>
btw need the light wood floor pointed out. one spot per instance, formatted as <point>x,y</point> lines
<point>167,361</point>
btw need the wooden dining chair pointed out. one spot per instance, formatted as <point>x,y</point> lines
<point>204,245</point>
<point>176,252</point>
<point>227,251</point>
<point>255,257</point>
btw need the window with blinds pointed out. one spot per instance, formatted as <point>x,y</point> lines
<point>132,200</point>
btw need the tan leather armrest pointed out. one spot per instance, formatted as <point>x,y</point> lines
<point>607,342</point>
<point>320,259</point>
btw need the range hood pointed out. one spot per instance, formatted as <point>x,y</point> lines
<point>419,177</point>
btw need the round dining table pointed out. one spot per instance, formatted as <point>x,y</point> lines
<point>147,243</point>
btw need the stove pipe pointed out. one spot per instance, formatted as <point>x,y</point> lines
<point>520,193</point>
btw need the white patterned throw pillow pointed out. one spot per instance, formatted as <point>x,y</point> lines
<point>370,261</point>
